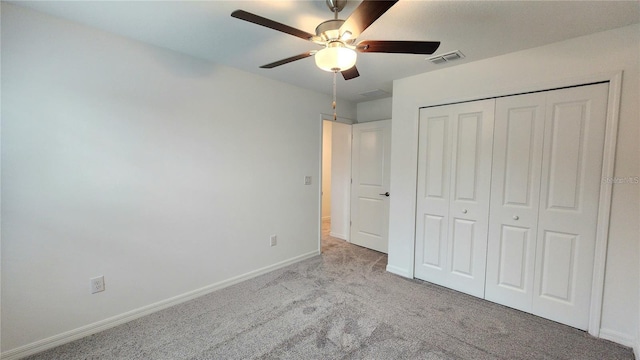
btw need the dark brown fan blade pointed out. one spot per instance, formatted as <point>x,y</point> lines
<point>402,47</point>
<point>256,19</point>
<point>287,60</point>
<point>350,73</point>
<point>364,15</point>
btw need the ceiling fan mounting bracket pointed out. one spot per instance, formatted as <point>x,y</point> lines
<point>336,5</point>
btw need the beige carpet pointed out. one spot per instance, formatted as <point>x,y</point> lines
<point>340,305</point>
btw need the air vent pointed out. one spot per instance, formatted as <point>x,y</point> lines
<point>438,60</point>
<point>444,58</point>
<point>378,93</point>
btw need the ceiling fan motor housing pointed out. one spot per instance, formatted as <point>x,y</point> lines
<point>329,30</point>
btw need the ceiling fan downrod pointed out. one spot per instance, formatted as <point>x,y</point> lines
<point>336,6</point>
<point>335,112</point>
<point>324,30</point>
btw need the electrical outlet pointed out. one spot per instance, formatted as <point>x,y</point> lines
<point>307,180</point>
<point>274,240</point>
<point>97,284</point>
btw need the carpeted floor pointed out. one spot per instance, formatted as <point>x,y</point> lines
<point>340,305</point>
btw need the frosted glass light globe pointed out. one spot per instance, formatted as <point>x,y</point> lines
<point>336,58</point>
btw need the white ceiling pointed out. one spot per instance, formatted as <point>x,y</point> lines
<point>480,29</point>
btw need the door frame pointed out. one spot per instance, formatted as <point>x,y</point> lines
<point>322,118</point>
<point>606,188</point>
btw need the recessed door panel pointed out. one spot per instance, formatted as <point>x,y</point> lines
<point>371,155</point>
<point>514,258</point>
<point>519,155</point>
<point>467,142</point>
<point>434,241</point>
<point>436,156</point>
<point>462,241</point>
<point>370,211</point>
<point>566,155</point>
<point>558,263</point>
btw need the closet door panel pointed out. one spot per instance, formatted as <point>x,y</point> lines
<point>514,259</point>
<point>432,205</point>
<point>472,129</point>
<point>517,160</point>
<point>454,170</point>
<point>570,184</point>
<point>434,241</point>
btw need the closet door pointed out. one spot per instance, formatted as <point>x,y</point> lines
<point>570,189</point>
<point>455,145</point>
<point>432,215</point>
<point>515,189</point>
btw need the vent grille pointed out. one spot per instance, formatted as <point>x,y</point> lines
<point>444,58</point>
<point>378,93</point>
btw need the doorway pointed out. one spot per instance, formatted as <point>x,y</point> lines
<point>325,213</point>
<point>335,180</point>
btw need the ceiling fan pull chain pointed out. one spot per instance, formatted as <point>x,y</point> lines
<point>335,114</point>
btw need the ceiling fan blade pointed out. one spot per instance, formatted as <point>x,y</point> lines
<point>350,73</point>
<point>364,15</point>
<point>287,60</point>
<point>402,47</point>
<point>256,19</point>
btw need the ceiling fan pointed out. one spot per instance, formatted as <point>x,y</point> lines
<point>338,37</point>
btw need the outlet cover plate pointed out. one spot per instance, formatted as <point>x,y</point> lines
<point>97,284</point>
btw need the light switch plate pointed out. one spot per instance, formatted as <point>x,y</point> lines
<point>307,180</point>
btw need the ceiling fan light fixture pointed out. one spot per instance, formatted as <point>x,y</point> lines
<point>336,58</point>
<point>346,35</point>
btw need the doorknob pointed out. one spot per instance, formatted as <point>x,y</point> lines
<point>385,194</point>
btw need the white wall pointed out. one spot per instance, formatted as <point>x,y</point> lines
<point>374,110</point>
<point>164,173</point>
<point>578,58</point>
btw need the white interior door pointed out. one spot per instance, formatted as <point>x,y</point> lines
<point>515,190</point>
<point>569,193</point>
<point>370,161</point>
<point>454,174</point>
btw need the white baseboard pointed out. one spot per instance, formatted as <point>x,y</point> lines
<point>399,271</point>
<point>620,338</point>
<point>75,334</point>
<point>339,236</point>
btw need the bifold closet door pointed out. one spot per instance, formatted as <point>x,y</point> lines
<point>569,194</point>
<point>515,194</point>
<point>454,173</point>
<point>546,179</point>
